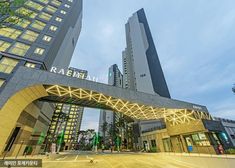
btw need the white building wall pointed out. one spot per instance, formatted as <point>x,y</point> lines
<point>140,64</point>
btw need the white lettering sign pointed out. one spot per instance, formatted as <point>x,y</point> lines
<point>72,73</point>
<point>197,107</point>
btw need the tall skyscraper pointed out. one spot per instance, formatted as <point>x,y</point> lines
<point>141,67</point>
<point>66,120</point>
<point>115,78</point>
<point>46,38</point>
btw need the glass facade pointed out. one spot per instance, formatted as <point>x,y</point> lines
<point>51,9</point>
<point>26,12</point>
<point>38,25</point>
<point>7,64</point>
<point>4,45</point>
<point>34,5</point>
<point>19,49</point>
<point>10,32</point>
<point>29,35</point>
<point>45,16</point>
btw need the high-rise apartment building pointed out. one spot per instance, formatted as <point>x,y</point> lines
<point>141,67</point>
<point>66,120</point>
<point>115,78</point>
<point>44,39</point>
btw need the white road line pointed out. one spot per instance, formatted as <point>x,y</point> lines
<point>76,158</point>
<point>62,158</point>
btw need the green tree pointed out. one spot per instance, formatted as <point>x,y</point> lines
<point>9,15</point>
<point>104,128</point>
<point>121,124</point>
<point>112,131</point>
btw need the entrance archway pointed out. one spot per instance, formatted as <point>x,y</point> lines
<point>29,85</point>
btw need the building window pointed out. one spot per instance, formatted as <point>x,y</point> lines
<point>200,139</point>
<point>19,49</point>
<point>39,51</point>
<point>29,35</point>
<point>7,64</point>
<point>34,5</point>
<point>46,38</point>
<point>10,32</point>
<point>22,22</point>
<point>45,16</point>
<point>2,81</point>
<point>38,25</point>
<point>58,19</point>
<point>63,12</point>
<point>44,1</point>
<point>26,12</point>
<point>4,45</point>
<point>50,9</point>
<point>53,28</point>
<point>66,5</point>
<point>30,65</point>
<point>55,2</point>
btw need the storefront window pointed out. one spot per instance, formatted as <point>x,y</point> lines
<point>200,139</point>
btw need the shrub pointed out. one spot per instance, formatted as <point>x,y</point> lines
<point>230,151</point>
<point>153,150</point>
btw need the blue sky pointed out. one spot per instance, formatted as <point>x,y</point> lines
<point>195,41</point>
